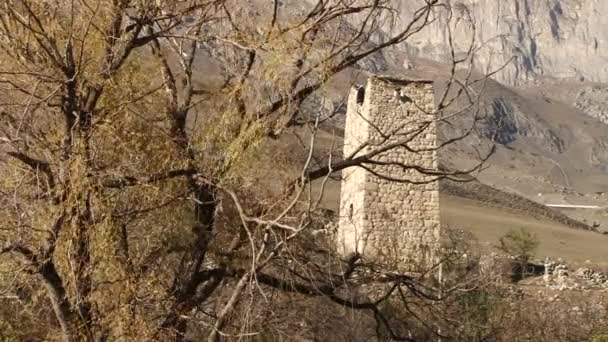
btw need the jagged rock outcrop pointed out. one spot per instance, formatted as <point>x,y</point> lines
<point>593,100</point>
<point>548,38</point>
<point>505,122</point>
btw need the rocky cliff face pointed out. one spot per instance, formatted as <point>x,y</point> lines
<point>506,122</point>
<point>547,38</point>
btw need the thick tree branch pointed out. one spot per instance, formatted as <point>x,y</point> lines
<point>127,181</point>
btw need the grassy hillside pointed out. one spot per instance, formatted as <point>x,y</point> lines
<point>489,223</point>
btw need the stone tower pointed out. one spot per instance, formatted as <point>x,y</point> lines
<point>396,223</point>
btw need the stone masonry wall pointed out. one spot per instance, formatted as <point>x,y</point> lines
<point>390,211</point>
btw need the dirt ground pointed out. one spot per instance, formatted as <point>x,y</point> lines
<point>557,240</point>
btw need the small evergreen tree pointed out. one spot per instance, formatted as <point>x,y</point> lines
<point>521,245</point>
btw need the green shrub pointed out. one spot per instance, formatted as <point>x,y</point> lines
<point>520,244</point>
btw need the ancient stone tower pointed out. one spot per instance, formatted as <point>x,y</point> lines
<point>388,209</point>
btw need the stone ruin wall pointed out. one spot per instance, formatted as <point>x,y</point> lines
<point>395,223</point>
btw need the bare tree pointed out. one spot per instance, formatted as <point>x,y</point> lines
<point>128,131</point>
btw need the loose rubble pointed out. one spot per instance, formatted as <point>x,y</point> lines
<point>558,276</point>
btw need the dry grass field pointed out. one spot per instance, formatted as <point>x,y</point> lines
<point>488,224</point>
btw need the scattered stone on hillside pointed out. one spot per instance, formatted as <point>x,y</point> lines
<point>557,276</point>
<point>592,101</point>
<point>561,273</point>
<point>593,278</point>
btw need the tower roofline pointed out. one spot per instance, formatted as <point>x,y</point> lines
<point>401,79</point>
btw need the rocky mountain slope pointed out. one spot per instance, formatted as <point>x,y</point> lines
<point>552,39</point>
